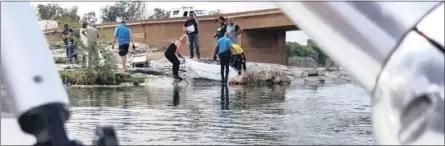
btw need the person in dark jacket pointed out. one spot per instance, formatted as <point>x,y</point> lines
<point>221,29</point>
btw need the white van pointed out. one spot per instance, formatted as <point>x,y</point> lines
<point>186,11</point>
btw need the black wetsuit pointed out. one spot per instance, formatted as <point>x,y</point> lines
<point>239,62</point>
<point>170,54</point>
<point>224,61</point>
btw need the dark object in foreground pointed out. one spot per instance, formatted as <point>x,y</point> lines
<point>105,136</point>
<point>47,124</point>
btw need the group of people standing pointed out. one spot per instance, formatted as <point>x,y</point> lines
<point>68,39</point>
<point>122,36</point>
<point>227,48</point>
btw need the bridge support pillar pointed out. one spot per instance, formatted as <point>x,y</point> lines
<point>265,45</point>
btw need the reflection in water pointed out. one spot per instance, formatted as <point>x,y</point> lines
<point>238,115</point>
<point>176,96</point>
<point>126,99</point>
<point>225,101</point>
<point>126,116</point>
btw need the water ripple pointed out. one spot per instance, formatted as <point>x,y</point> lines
<point>211,115</point>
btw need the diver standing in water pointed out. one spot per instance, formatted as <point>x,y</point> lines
<point>172,51</point>
<point>223,50</point>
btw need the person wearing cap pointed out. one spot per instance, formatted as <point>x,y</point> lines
<point>92,35</point>
<point>122,35</point>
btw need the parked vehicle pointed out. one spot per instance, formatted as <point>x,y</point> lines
<point>186,11</point>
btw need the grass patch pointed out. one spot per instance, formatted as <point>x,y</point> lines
<point>99,73</point>
<point>98,78</point>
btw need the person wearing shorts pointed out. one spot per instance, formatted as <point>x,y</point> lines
<point>223,50</point>
<point>122,35</point>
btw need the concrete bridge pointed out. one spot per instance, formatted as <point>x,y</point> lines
<point>263,37</point>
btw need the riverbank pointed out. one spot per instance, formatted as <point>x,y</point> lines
<point>157,70</point>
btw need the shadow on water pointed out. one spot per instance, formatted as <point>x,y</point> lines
<point>225,114</point>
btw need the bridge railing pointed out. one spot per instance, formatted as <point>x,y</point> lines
<point>183,19</point>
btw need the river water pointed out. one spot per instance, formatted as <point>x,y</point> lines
<point>338,114</point>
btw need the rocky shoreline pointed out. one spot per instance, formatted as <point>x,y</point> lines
<point>157,69</point>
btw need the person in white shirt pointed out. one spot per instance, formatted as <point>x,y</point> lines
<point>191,27</point>
<point>92,35</point>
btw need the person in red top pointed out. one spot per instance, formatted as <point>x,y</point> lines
<point>172,50</point>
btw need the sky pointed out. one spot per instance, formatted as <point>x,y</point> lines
<point>225,7</point>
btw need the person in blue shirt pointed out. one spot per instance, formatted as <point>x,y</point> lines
<point>122,35</point>
<point>224,50</point>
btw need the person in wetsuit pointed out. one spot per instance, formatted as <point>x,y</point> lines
<point>224,50</point>
<point>171,52</point>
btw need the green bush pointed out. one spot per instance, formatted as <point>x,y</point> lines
<point>100,73</point>
<point>311,50</point>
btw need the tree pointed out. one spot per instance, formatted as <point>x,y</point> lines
<point>124,10</point>
<point>159,13</point>
<point>49,11</point>
<point>70,14</point>
<point>295,49</point>
<point>61,15</point>
<point>90,18</point>
<point>70,17</point>
<point>132,10</point>
<point>321,56</point>
<point>109,13</point>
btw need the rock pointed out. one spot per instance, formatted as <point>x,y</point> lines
<point>67,66</point>
<point>155,50</point>
<point>145,71</point>
<point>238,80</point>
<point>313,72</point>
<point>269,77</point>
<point>331,69</point>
